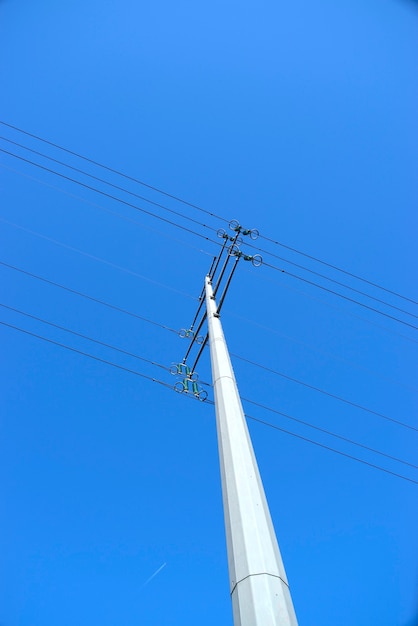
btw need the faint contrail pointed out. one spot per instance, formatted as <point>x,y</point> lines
<point>154,574</point>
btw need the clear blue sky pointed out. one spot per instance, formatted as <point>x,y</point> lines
<point>298,119</point>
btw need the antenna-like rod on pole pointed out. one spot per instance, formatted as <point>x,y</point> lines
<point>258,584</point>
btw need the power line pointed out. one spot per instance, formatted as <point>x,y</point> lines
<point>99,259</point>
<point>90,356</point>
<point>339,269</point>
<point>328,355</point>
<point>340,295</point>
<point>265,423</point>
<point>87,297</point>
<point>177,213</point>
<point>331,433</point>
<point>332,280</point>
<point>120,216</point>
<point>199,208</point>
<point>253,363</point>
<point>94,189</point>
<point>327,393</point>
<point>106,182</point>
<point>330,305</point>
<point>110,196</point>
<point>136,356</point>
<point>114,171</point>
<point>325,447</point>
<point>77,334</point>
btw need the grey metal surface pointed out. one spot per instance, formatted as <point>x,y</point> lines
<point>258,584</point>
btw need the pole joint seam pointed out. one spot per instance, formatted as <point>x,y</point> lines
<point>220,377</point>
<point>259,574</point>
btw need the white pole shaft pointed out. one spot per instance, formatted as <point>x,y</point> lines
<point>258,584</point>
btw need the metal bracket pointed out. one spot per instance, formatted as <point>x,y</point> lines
<point>236,226</point>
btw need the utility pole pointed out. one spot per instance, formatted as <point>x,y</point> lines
<point>258,584</point>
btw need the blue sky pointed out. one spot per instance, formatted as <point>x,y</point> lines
<point>298,120</point>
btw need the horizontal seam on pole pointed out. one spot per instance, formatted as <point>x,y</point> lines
<point>219,378</point>
<point>259,574</point>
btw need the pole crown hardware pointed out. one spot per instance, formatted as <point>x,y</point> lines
<point>191,387</point>
<point>255,259</point>
<point>188,383</point>
<point>236,226</point>
<point>224,235</point>
<point>189,333</point>
<point>181,369</point>
<point>221,264</point>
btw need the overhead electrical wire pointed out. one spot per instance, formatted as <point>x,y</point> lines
<point>166,385</point>
<point>325,447</point>
<point>120,216</point>
<point>87,297</point>
<point>323,391</point>
<point>340,295</point>
<point>114,171</point>
<point>167,369</point>
<point>82,336</point>
<point>330,305</point>
<point>110,196</point>
<point>201,209</point>
<point>81,352</point>
<point>328,355</point>
<point>332,280</point>
<point>106,182</point>
<point>253,363</point>
<point>329,432</point>
<point>100,260</point>
<point>177,213</point>
<point>96,190</point>
<point>339,269</point>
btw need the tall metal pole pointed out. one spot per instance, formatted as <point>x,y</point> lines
<point>258,584</point>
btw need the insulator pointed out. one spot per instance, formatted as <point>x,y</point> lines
<point>257,260</point>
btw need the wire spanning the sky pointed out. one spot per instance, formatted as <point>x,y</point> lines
<point>195,335</point>
<point>168,386</point>
<point>201,209</point>
<point>323,391</point>
<point>189,230</point>
<point>167,369</point>
<point>108,195</point>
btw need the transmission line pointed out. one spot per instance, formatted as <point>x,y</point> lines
<point>99,259</point>
<point>328,304</point>
<point>77,334</point>
<point>149,378</point>
<point>106,182</point>
<point>87,297</point>
<point>253,363</point>
<point>332,280</point>
<point>96,190</point>
<point>120,216</point>
<point>114,171</point>
<point>329,432</point>
<point>328,355</point>
<point>201,209</point>
<point>327,393</point>
<point>340,295</point>
<point>178,214</point>
<point>110,196</point>
<point>325,447</point>
<point>91,356</point>
<point>165,368</point>
<point>339,269</point>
